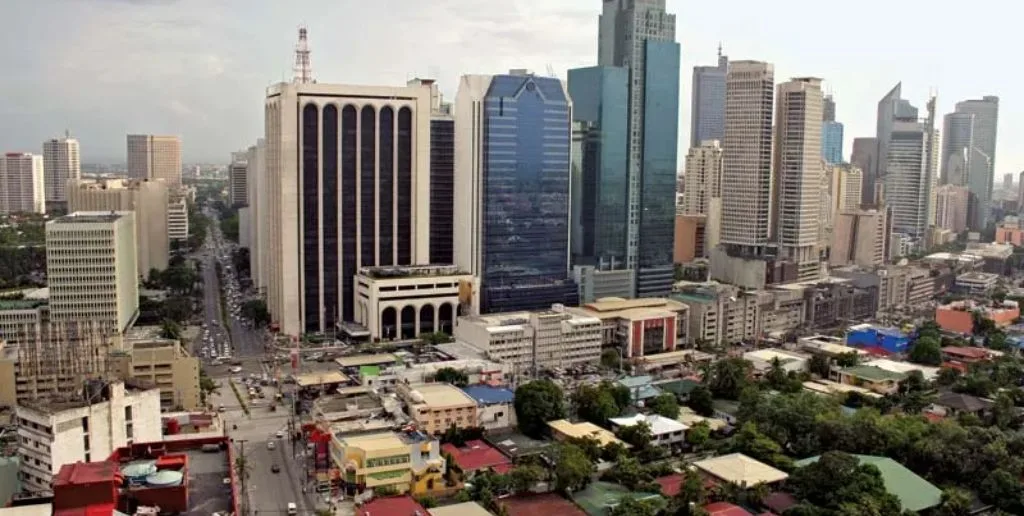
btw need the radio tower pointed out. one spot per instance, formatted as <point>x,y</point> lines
<point>303,69</point>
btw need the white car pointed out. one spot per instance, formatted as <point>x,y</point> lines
<point>236,370</point>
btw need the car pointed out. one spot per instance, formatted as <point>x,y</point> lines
<point>235,370</point>
<point>271,445</point>
<point>292,508</point>
<point>279,434</point>
<point>275,468</point>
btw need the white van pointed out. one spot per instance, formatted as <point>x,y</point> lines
<point>292,509</point>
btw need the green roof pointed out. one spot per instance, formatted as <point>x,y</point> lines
<point>914,492</point>
<point>369,370</point>
<point>873,373</point>
<point>599,497</point>
<point>679,387</point>
<point>21,304</point>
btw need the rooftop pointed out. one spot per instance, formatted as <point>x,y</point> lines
<point>904,367</point>
<point>659,424</point>
<point>829,345</point>
<point>770,354</point>
<point>616,307</point>
<point>873,373</point>
<point>726,509</point>
<point>548,504</point>
<point>320,378</point>
<point>584,429</point>
<point>915,493</point>
<point>599,496</point>
<point>79,217</point>
<point>21,304</point>
<point>459,509</point>
<point>515,444</point>
<point>411,271</point>
<point>84,473</point>
<point>39,509</point>
<point>966,352</point>
<point>397,505</point>
<point>689,418</point>
<point>963,402</point>
<point>488,395</point>
<point>640,387</point>
<point>440,395</point>
<point>206,474</point>
<point>382,440</point>
<point>478,455</point>
<point>740,469</point>
<point>361,360</point>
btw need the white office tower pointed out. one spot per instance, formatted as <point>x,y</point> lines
<point>61,162</point>
<point>798,173</point>
<point>238,190</point>
<point>703,179</point>
<point>348,186</point>
<point>147,199</point>
<point>747,160</point>
<point>911,162</point>
<point>21,183</point>
<point>177,214</point>
<point>258,222</point>
<point>91,267</point>
<point>154,157</point>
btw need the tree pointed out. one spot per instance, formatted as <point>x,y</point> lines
<point>170,330</point>
<point>729,376</point>
<point>177,308</point>
<point>628,472</point>
<point>536,403</point>
<point>1002,489</point>
<point>451,375</point>
<point>752,443</point>
<point>691,497</point>
<point>819,365</point>
<point>524,476</point>
<point>955,502</point>
<point>1004,413</point>
<point>927,351</point>
<point>572,468</point>
<point>698,434</point>
<point>256,311</point>
<point>847,359</point>
<point>838,482</point>
<point>435,338</point>
<point>701,401</point>
<point>638,436</point>
<point>947,376</point>
<point>180,279</point>
<point>630,506</point>
<point>598,403</point>
<point>611,359</point>
<point>665,405</point>
<point>996,340</point>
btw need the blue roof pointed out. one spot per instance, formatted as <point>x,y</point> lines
<point>487,395</point>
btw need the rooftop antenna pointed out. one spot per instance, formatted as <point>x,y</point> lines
<point>719,49</point>
<point>303,68</point>
<point>551,71</point>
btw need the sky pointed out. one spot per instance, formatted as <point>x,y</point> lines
<point>199,68</point>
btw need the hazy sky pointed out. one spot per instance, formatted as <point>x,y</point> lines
<point>198,68</point>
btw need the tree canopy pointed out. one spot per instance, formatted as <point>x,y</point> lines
<point>598,403</point>
<point>665,405</point>
<point>729,377</point>
<point>536,403</point>
<point>451,375</point>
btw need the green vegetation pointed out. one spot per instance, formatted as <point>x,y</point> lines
<point>598,403</point>
<point>238,394</point>
<point>665,405</point>
<point>536,403</point>
<point>256,311</point>
<point>451,375</point>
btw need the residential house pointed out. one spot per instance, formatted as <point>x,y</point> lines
<point>476,456</point>
<point>563,429</point>
<point>495,409</point>
<point>409,462</point>
<point>736,468</point>
<point>954,404</point>
<point>873,378</point>
<point>915,493</point>
<point>665,432</point>
<point>437,406</point>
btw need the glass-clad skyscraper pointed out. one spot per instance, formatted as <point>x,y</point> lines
<point>512,188</point>
<point>832,142</point>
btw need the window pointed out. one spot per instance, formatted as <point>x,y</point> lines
<point>128,413</point>
<point>85,424</point>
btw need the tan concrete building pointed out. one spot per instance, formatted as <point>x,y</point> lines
<point>154,157</point>
<point>22,185</point>
<point>797,174</point>
<point>845,185</point>
<point>721,314</point>
<point>164,364</point>
<point>437,406</point>
<point>405,302</point>
<point>641,327</point>
<point>61,162</point>
<point>690,238</point>
<point>951,207</point>
<point>703,179</point>
<point>21,317</point>
<point>147,199</point>
<point>860,237</point>
<point>92,269</point>
<point>177,213</point>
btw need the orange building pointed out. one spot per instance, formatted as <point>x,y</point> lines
<point>958,316</point>
<point>690,238</point>
<point>1010,234</point>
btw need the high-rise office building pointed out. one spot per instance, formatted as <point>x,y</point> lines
<point>865,157</point>
<point>641,36</point>
<point>1020,191</point>
<point>707,105</point>
<point>1007,181</point>
<point>957,142</point>
<point>601,110</point>
<point>831,133</point>
<point>891,108</point>
<point>703,178</point>
<point>910,175</point>
<point>154,157</point>
<point>951,205</point>
<point>177,214</point>
<point>747,159</point>
<point>238,188</point>
<point>442,175</point>
<point>91,269</point>
<point>22,187</point>
<point>348,186</point>
<point>845,184</point>
<point>797,174</point>
<point>981,155</point>
<point>258,222</point>
<point>61,162</point>
<point>860,237</point>
<point>147,199</point>
<point>828,109</point>
<point>512,167</point>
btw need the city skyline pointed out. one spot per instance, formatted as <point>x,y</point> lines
<point>210,81</point>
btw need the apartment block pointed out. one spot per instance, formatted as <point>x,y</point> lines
<point>92,269</point>
<point>22,186</point>
<point>177,214</point>
<point>721,314</point>
<point>148,200</point>
<point>435,407</point>
<point>951,208</point>
<point>409,462</point>
<point>61,162</point>
<point>89,425</point>
<point>558,337</point>
<point>154,157</point>
<point>165,364</point>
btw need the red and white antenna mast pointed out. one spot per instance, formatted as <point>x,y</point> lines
<point>303,68</point>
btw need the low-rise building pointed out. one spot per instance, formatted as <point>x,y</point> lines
<point>85,426</point>
<point>738,469</point>
<point>562,429</point>
<point>20,319</point>
<point>891,340</point>
<point>177,214</point>
<point>409,462</point>
<point>831,347</point>
<point>873,378</point>
<point>405,302</point>
<point>665,432</point>
<point>975,283</point>
<point>476,456</point>
<point>164,364</point>
<point>495,405</point>
<point>640,327</point>
<point>720,314</point>
<point>764,359</point>
<point>958,316</point>
<point>966,354</point>
<point>895,366</point>
<point>437,406</point>
<point>996,256</point>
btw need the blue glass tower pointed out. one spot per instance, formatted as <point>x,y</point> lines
<point>600,97</point>
<point>832,142</point>
<point>516,185</point>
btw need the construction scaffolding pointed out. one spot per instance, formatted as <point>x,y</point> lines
<point>54,360</point>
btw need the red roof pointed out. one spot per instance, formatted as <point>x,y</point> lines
<point>548,504</point>
<point>101,509</point>
<point>83,473</point>
<point>877,351</point>
<point>670,484</point>
<point>477,455</point>
<point>933,417</point>
<point>393,506</point>
<point>966,352</point>
<point>780,501</point>
<point>953,364</point>
<point>725,509</point>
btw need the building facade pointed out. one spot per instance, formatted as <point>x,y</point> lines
<point>910,177</point>
<point>148,200</point>
<point>442,177</point>
<point>238,188</point>
<point>860,237</point>
<point>22,184</point>
<point>177,214</point>
<point>408,462</point>
<point>831,133</point>
<point>865,157</point>
<point>92,269</point>
<point>406,302</point>
<point>349,167</point>
<point>703,177</point>
<point>981,160</point>
<point>165,364</point>
<point>61,162</point>
<point>154,157</point>
<point>436,407</point>
<point>707,105</point>
<point>512,228</point>
<point>641,36</point>
<point>640,327</point>
<point>951,207</point>
<point>258,223</point>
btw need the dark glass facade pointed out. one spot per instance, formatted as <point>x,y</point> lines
<point>367,177</point>
<point>527,128</point>
<point>658,172</point>
<point>600,98</point>
<point>329,208</point>
<point>348,209</point>
<point>442,190</point>
<point>404,171</point>
<point>386,187</point>
<point>310,213</point>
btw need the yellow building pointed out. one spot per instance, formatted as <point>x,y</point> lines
<point>563,429</point>
<point>164,364</point>
<point>437,406</point>
<point>409,462</point>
